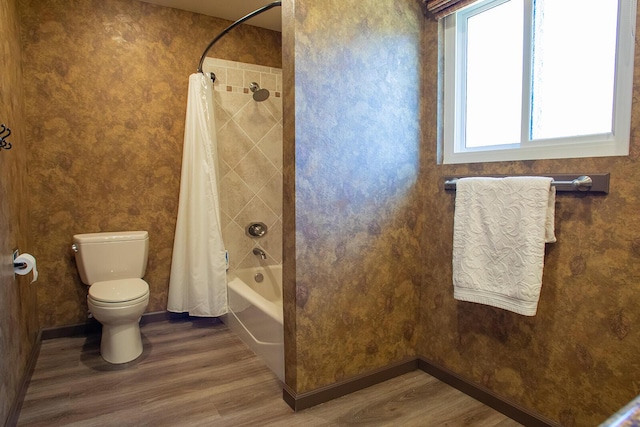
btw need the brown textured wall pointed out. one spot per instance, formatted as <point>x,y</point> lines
<point>18,306</point>
<point>106,87</point>
<point>353,273</point>
<point>577,360</point>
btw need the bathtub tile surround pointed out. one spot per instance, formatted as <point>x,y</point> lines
<point>233,76</point>
<point>250,156</point>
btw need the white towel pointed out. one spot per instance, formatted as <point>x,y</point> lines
<point>501,226</point>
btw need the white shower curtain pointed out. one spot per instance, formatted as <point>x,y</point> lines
<point>198,282</point>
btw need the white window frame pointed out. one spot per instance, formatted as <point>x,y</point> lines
<point>615,143</point>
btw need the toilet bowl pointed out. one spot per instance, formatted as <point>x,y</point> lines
<point>113,264</point>
<point>118,305</point>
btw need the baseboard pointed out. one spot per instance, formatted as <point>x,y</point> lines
<point>486,396</point>
<point>92,326</point>
<point>161,316</point>
<point>14,411</point>
<point>528,418</point>
<point>301,401</point>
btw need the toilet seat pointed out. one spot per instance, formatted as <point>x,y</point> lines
<point>96,303</point>
<point>118,292</point>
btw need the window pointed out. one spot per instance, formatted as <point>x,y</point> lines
<point>538,79</point>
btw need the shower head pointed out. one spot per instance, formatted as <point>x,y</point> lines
<point>258,94</point>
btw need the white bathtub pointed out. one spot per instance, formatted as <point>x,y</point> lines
<point>255,313</point>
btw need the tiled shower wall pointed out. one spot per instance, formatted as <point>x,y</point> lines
<point>249,137</point>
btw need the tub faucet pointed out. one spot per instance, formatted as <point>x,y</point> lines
<point>259,252</point>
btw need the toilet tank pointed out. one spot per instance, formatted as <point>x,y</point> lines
<point>111,256</point>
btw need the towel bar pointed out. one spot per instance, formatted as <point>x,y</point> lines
<point>592,183</point>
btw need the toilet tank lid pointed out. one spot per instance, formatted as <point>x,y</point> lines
<point>117,236</point>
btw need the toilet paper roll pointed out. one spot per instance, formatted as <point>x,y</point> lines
<point>27,263</point>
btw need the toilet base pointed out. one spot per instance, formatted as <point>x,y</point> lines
<point>121,343</point>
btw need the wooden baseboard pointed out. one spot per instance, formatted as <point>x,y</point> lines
<point>161,316</point>
<point>486,396</point>
<point>301,401</point>
<point>92,326</point>
<point>16,406</point>
<point>511,409</point>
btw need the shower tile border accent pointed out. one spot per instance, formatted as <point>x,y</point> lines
<point>232,76</point>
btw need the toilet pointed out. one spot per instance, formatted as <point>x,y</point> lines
<point>113,264</point>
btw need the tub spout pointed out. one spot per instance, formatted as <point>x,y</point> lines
<point>259,252</point>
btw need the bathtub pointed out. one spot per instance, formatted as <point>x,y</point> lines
<point>255,313</point>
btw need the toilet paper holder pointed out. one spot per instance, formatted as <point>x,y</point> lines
<point>18,265</point>
<point>24,264</point>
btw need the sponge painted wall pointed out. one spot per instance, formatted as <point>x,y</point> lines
<point>576,361</point>
<point>18,305</point>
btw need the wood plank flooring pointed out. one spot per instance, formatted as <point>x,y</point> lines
<point>198,373</point>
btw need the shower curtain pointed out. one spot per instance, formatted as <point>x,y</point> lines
<point>198,282</point>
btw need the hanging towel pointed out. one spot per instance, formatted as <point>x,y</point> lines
<point>501,226</point>
<point>198,280</point>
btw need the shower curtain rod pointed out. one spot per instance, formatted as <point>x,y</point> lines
<point>231,27</point>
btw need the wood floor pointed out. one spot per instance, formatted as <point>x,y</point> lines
<point>198,373</point>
